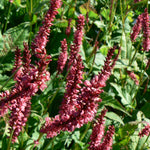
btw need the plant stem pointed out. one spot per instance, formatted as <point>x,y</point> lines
<point>9,79</point>
<point>145,142</point>
<point>6,23</point>
<point>10,139</point>
<point>51,140</point>
<point>141,78</point>
<point>40,135</point>
<point>30,16</point>
<point>51,100</point>
<point>85,132</point>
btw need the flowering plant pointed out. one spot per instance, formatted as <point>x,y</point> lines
<point>78,77</point>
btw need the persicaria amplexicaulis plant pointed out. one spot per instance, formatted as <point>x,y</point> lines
<point>80,102</point>
<point>81,60</point>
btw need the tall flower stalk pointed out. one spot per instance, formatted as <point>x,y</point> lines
<point>142,22</point>
<point>87,103</point>
<point>98,131</point>
<point>30,77</point>
<point>62,57</point>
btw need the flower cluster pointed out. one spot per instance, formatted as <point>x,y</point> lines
<point>74,78</point>
<point>137,27</point>
<point>145,131</point>
<point>17,65</point>
<point>84,105</point>
<point>133,77</point>
<point>78,35</point>
<point>98,131</point>
<point>29,77</point>
<point>142,21</point>
<point>107,142</point>
<point>146,31</point>
<point>39,43</point>
<point>62,57</point>
<point>68,29</point>
<point>3,104</point>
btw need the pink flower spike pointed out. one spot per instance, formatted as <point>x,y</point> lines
<point>108,139</point>
<point>136,28</point>
<point>78,35</point>
<point>146,31</point>
<point>98,131</point>
<point>41,38</point>
<point>18,62</point>
<point>133,77</point>
<point>3,106</point>
<point>62,57</point>
<point>68,29</point>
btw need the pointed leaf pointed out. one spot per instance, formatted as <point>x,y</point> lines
<point>114,116</point>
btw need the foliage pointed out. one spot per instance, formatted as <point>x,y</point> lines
<point>108,23</point>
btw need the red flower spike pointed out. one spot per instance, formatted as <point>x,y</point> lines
<point>17,65</point>
<point>62,57</point>
<point>136,28</point>
<point>78,35</point>
<point>133,77</point>
<point>98,131</point>
<point>108,139</point>
<point>146,31</point>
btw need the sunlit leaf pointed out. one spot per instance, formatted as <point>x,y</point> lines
<point>115,117</point>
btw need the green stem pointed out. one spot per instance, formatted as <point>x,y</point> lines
<point>30,15</point>
<point>51,100</point>
<point>46,147</point>
<point>145,142</point>
<point>86,130</point>
<point>40,136</point>
<point>141,78</point>
<point>10,139</point>
<point>9,79</point>
<point>112,14</point>
<point>6,23</point>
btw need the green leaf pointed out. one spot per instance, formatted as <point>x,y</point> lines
<point>92,14</point>
<point>82,53</point>
<point>4,142</point>
<point>61,23</point>
<point>17,2</point>
<point>141,143</point>
<point>105,13</point>
<point>123,46</point>
<point>2,4</point>
<point>71,12</point>
<point>16,36</point>
<point>99,59</point>
<point>114,116</point>
<point>34,19</point>
<point>108,100</point>
<point>125,97</point>
<point>104,50</point>
<point>99,24</point>
<point>83,10</point>
<point>127,130</point>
